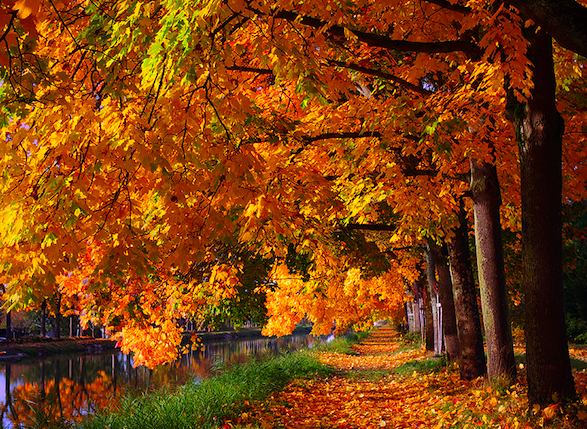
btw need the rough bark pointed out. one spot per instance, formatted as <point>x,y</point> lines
<point>449,322</point>
<point>472,356</point>
<point>490,266</point>
<point>539,128</point>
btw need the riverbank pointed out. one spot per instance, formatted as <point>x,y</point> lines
<point>207,403</point>
<point>15,351</point>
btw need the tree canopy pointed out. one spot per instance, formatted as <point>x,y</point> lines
<point>148,144</point>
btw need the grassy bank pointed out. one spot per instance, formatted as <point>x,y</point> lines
<point>209,402</point>
<point>215,399</point>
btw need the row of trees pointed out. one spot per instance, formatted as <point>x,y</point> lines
<point>148,143</point>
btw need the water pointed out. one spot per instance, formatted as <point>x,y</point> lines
<point>69,387</point>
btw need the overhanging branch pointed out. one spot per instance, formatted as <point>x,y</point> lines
<point>378,40</point>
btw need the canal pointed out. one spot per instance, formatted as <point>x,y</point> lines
<point>38,392</point>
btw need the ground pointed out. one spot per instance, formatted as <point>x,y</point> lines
<point>389,382</point>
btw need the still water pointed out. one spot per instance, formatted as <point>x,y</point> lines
<point>69,387</point>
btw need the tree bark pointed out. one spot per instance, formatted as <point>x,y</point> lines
<point>490,266</point>
<point>428,317</point>
<point>419,310</point>
<point>433,293</point>
<point>449,322</point>
<point>416,311</point>
<point>539,128</point>
<point>472,357</point>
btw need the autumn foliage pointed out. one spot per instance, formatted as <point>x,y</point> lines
<point>148,146</point>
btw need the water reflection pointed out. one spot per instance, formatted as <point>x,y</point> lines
<point>41,392</point>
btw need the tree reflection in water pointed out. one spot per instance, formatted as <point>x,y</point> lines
<point>43,392</point>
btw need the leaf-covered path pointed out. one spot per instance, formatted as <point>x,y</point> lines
<point>390,383</point>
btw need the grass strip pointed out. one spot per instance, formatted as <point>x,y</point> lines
<point>424,366</point>
<point>343,344</point>
<point>214,399</point>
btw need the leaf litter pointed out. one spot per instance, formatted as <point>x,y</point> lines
<point>367,392</point>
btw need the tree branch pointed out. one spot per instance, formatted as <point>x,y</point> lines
<point>384,75</point>
<point>342,135</point>
<point>250,69</point>
<point>564,20</point>
<point>9,26</point>
<point>371,227</point>
<point>378,40</point>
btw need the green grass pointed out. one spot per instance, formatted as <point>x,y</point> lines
<point>206,404</point>
<point>344,344</point>
<point>421,366</point>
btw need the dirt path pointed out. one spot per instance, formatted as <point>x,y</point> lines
<point>389,383</point>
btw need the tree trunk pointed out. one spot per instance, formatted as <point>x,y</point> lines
<point>539,128</point>
<point>44,318</point>
<point>409,317</point>
<point>498,334</point>
<point>416,309</point>
<point>433,294</point>
<point>57,327</point>
<point>472,357</point>
<point>428,318</point>
<point>9,325</point>
<point>419,309</point>
<point>449,322</point>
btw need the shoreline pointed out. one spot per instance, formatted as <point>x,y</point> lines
<point>14,352</point>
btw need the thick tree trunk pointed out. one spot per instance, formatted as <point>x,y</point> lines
<point>539,129</point>
<point>449,322</point>
<point>472,357</point>
<point>433,293</point>
<point>498,334</point>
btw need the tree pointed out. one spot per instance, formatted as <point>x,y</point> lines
<point>210,144</point>
<point>540,129</point>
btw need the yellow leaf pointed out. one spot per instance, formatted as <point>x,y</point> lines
<point>26,7</point>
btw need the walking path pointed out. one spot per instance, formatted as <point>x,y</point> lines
<point>391,383</point>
